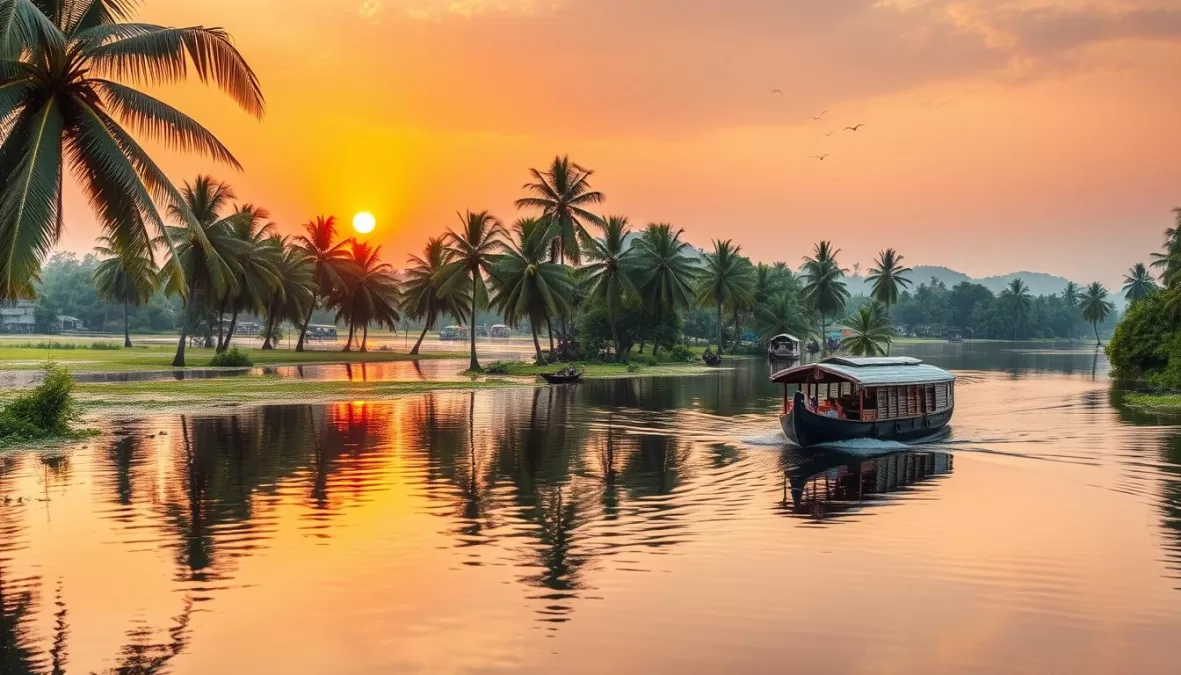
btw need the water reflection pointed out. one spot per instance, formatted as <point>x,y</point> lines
<point>616,515</point>
<point>831,483</point>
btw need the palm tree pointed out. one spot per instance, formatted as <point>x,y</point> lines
<point>1070,295</point>
<point>472,251</point>
<point>60,66</point>
<point>888,279</point>
<point>870,337</point>
<point>1017,296</point>
<point>824,288</point>
<point>123,277</point>
<point>370,294</point>
<point>1170,260</point>
<point>528,285</point>
<point>665,271</point>
<point>291,298</point>
<point>726,278</point>
<point>258,274</point>
<point>420,289</point>
<point>563,194</point>
<point>1138,283</point>
<point>781,314</point>
<point>610,271</point>
<point>1096,308</point>
<point>330,259</point>
<point>204,259</point>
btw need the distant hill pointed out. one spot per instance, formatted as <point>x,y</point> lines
<point>1039,283</point>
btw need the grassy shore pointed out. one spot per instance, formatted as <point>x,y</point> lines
<point>159,357</point>
<point>1158,402</point>
<point>607,370</point>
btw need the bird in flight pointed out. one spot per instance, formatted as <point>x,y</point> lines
<point>817,118</point>
<point>829,133</point>
<point>854,128</point>
<point>776,91</point>
<point>820,157</point>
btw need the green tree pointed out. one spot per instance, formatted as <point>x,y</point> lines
<point>473,250</point>
<point>1169,261</point>
<point>888,278</point>
<point>528,285</point>
<point>781,314</point>
<point>369,295</point>
<point>824,287</point>
<point>1096,307</point>
<point>1138,283</point>
<point>610,271</point>
<point>204,259</point>
<point>1071,295</point>
<point>67,71</point>
<point>666,271</point>
<point>289,300</point>
<point>124,277</point>
<point>1019,302</point>
<point>258,269</point>
<point>420,289</point>
<point>331,262</point>
<point>871,334</point>
<point>725,278</point>
<point>562,194</point>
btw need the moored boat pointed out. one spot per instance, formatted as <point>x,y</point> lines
<point>563,376</point>
<point>841,399</point>
<point>783,347</point>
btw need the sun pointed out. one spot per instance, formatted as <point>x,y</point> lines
<point>364,222</point>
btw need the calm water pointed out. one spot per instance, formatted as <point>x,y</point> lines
<point>616,526</point>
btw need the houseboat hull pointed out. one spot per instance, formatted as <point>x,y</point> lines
<point>806,428</point>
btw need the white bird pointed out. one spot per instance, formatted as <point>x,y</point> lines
<point>854,128</point>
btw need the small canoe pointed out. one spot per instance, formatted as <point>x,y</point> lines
<point>562,379</point>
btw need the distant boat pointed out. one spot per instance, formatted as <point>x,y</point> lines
<point>783,347</point>
<point>564,376</point>
<point>885,398</point>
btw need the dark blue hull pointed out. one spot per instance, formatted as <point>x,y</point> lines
<point>806,428</point>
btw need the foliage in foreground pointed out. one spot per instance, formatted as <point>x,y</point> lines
<point>234,358</point>
<point>1146,345</point>
<point>42,413</point>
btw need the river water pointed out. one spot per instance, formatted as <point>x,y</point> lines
<point>628,526</point>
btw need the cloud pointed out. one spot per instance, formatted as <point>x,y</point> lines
<point>370,8</point>
<point>439,9</point>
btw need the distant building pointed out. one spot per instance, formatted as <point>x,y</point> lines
<point>65,323</point>
<point>16,317</point>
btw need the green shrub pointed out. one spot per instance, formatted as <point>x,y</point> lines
<point>1146,344</point>
<point>42,412</point>
<point>648,359</point>
<point>498,368</point>
<point>105,346</point>
<point>233,358</point>
<point>681,354</point>
<point>633,367</point>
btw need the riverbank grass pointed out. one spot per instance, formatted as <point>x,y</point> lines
<point>1159,402</point>
<point>46,412</point>
<point>159,357</point>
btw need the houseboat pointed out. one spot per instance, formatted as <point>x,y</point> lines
<point>840,399</point>
<point>783,347</point>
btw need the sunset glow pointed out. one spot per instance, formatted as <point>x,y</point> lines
<point>364,222</point>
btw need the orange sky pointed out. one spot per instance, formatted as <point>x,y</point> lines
<point>999,136</point>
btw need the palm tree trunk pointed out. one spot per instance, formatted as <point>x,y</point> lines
<point>425,328</point>
<point>348,346</point>
<point>536,343</point>
<point>230,335</point>
<point>179,360</point>
<point>615,334</point>
<point>720,329</point>
<point>270,329</point>
<point>549,330</point>
<point>1095,325</point>
<point>126,329</point>
<point>221,326</point>
<point>823,335</point>
<point>474,366</point>
<point>365,337</point>
<point>889,342</point>
<point>208,334</point>
<point>306,322</point>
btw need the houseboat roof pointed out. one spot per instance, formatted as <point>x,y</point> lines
<point>867,372</point>
<point>785,336</point>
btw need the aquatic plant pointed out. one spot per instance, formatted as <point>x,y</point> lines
<point>44,412</point>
